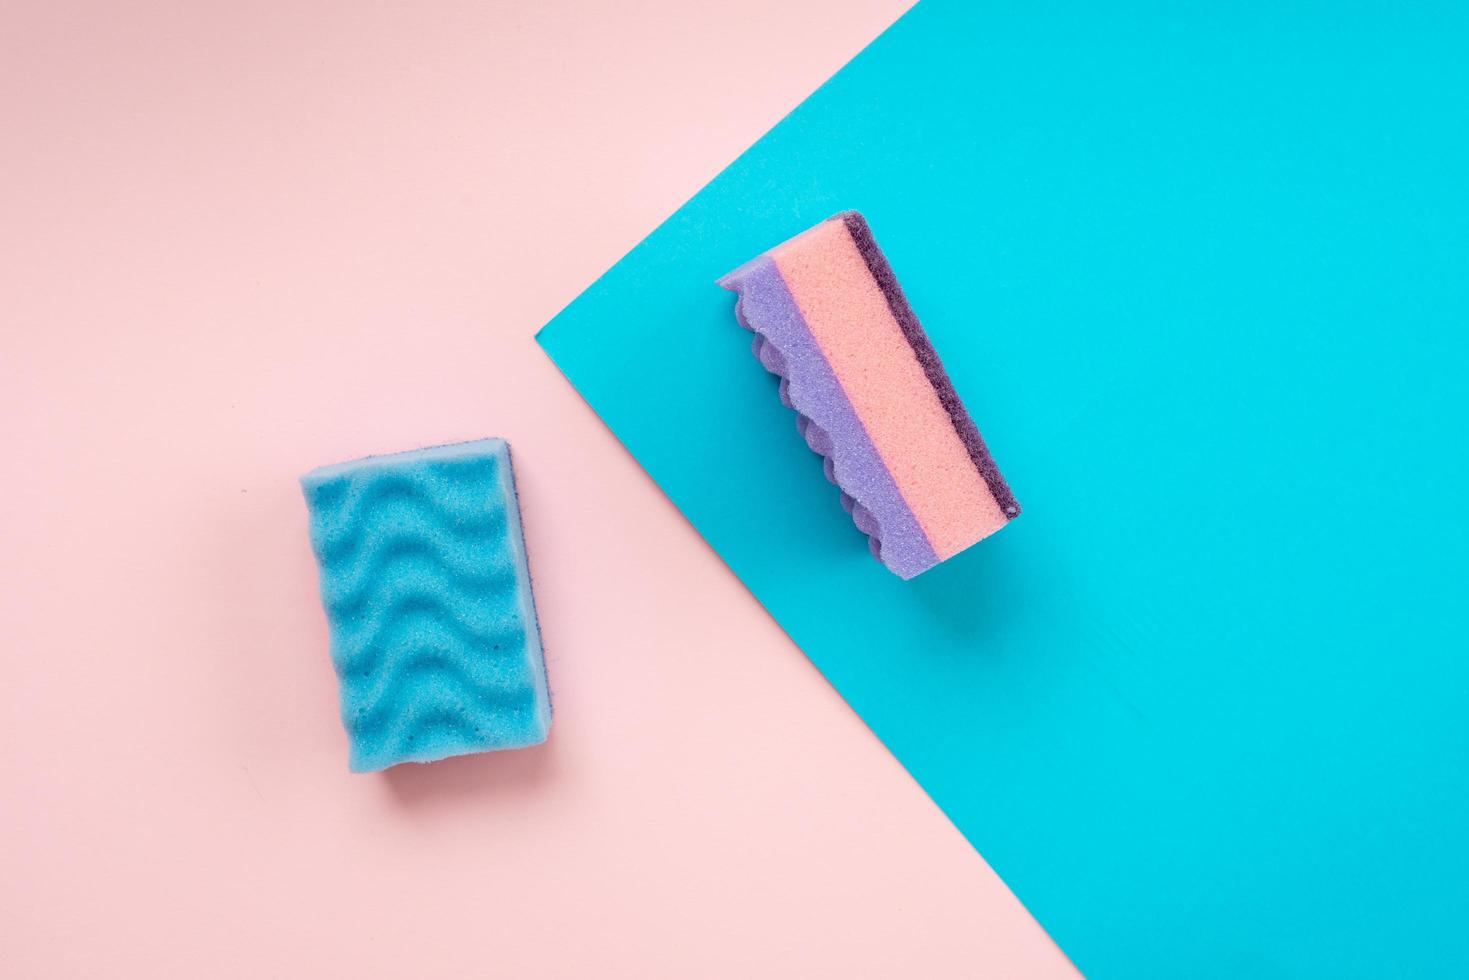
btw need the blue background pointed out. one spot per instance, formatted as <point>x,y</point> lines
<point>1201,273</point>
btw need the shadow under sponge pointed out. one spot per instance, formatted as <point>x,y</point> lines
<point>427,592</point>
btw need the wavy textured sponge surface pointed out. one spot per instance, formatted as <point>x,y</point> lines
<point>428,597</point>
<point>871,394</point>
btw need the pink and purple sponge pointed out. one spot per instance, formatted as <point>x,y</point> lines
<point>871,394</point>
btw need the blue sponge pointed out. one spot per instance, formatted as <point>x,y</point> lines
<point>428,596</point>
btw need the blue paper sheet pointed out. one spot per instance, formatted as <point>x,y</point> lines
<point>1201,273</point>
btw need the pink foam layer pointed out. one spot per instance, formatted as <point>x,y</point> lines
<point>848,315</point>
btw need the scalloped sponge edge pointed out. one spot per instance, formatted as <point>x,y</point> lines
<point>871,394</point>
<point>427,592</point>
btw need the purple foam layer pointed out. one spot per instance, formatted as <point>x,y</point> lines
<point>933,368</point>
<point>826,418</point>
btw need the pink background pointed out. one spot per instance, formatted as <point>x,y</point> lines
<point>240,240</point>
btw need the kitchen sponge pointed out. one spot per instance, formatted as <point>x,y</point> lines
<point>872,396</point>
<point>428,598</point>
